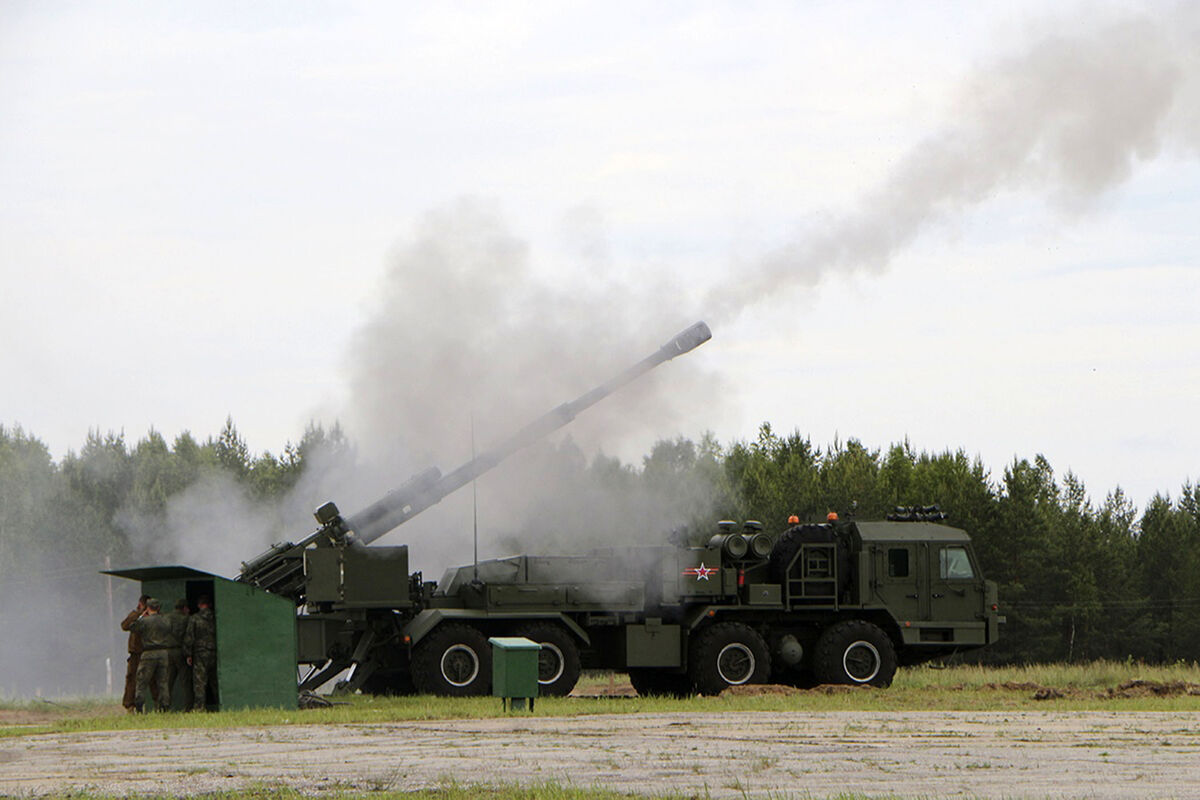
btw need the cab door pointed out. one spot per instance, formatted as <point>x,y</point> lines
<point>956,592</point>
<point>899,568</point>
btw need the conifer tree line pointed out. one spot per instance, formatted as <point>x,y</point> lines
<point>1078,580</point>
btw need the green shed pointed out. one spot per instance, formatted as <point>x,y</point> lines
<point>256,634</point>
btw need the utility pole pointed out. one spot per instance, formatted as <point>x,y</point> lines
<point>112,622</point>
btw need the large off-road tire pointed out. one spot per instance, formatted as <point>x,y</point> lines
<point>727,654</point>
<point>656,682</point>
<point>454,660</point>
<point>558,660</point>
<point>855,652</point>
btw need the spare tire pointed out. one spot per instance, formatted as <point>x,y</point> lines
<point>789,545</point>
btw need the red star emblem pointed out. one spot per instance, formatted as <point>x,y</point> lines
<point>701,572</point>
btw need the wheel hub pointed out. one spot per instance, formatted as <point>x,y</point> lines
<point>861,661</point>
<point>460,665</point>
<point>550,663</point>
<point>735,663</point>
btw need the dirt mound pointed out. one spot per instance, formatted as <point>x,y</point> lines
<point>1016,686</point>
<point>1038,691</point>
<point>761,690</point>
<point>782,690</point>
<point>625,689</point>
<point>1141,688</point>
<point>1129,689</point>
<point>614,686</point>
<point>840,689</point>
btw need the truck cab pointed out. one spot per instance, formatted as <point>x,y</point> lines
<point>928,579</point>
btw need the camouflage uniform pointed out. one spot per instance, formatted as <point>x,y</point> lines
<point>200,644</point>
<point>175,656</point>
<point>129,699</point>
<point>154,666</point>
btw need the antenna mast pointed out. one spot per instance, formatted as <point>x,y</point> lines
<point>474,503</point>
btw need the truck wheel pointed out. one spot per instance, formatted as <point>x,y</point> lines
<point>727,654</point>
<point>654,682</point>
<point>454,660</point>
<point>855,652</point>
<point>558,660</point>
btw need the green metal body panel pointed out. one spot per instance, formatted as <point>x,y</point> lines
<point>358,577</point>
<point>764,594</point>
<point>653,645</point>
<point>701,573</point>
<point>909,532</point>
<point>256,647</point>
<point>420,625</point>
<point>556,583</point>
<point>314,636</point>
<point>956,632</point>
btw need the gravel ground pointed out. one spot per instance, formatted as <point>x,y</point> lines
<point>920,754</point>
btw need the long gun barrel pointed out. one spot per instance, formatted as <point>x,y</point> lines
<point>280,568</point>
<point>399,506</point>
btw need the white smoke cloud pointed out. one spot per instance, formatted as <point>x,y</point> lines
<point>467,333</point>
<point>1069,117</point>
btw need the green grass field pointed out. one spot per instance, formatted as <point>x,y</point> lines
<point>1107,686</point>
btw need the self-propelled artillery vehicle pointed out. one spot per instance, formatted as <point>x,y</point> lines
<point>835,602</point>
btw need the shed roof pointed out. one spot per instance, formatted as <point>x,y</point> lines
<point>161,573</point>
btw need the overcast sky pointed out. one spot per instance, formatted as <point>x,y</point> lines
<point>967,224</point>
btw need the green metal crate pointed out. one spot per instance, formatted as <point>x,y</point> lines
<point>514,670</point>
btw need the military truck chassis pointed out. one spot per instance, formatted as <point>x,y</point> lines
<point>841,602</point>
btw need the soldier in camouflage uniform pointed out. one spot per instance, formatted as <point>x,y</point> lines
<point>200,647</point>
<point>129,700</point>
<point>181,690</point>
<point>154,666</point>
